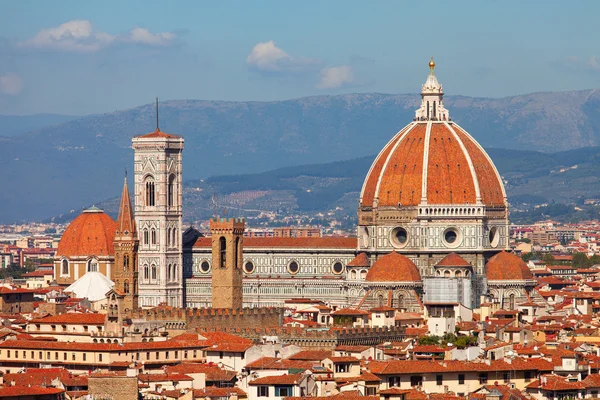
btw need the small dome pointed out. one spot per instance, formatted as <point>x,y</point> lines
<point>92,286</point>
<point>90,234</point>
<point>393,267</point>
<point>361,260</point>
<point>453,260</point>
<point>507,267</point>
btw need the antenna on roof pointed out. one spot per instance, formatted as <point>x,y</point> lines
<point>157,128</point>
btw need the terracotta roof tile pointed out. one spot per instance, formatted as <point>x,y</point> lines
<point>361,260</point>
<point>507,267</point>
<point>90,234</point>
<point>453,260</point>
<point>393,267</point>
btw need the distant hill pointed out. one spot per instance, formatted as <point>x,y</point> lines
<point>531,178</point>
<point>12,125</point>
<point>66,166</point>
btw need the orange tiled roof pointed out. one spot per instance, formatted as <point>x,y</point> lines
<point>287,242</point>
<point>396,176</point>
<point>393,267</point>
<point>453,260</point>
<point>73,319</point>
<point>311,355</point>
<point>291,379</point>
<point>158,134</point>
<point>507,267</point>
<point>361,260</point>
<point>90,234</point>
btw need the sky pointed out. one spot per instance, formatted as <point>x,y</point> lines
<point>86,57</point>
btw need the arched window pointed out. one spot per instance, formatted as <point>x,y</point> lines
<point>153,270</point>
<point>146,272</point>
<point>171,191</point>
<point>175,272</point>
<point>458,274</point>
<point>126,287</point>
<point>153,236</point>
<point>65,267</point>
<point>92,265</point>
<point>175,241</point>
<point>169,273</point>
<point>125,262</point>
<point>446,274</point>
<point>236,252</point>
<point>146,241</point>
<point>169,240</point>
<point>150,192</point>
<point>223,251</point>
<point>363,274</point>
<point>353,275</point>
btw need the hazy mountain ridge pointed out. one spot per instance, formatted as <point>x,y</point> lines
<point>66,166</point>
<point>530,177</point>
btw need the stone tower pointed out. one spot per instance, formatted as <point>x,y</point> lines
<point>158,207</point>
<point>227,255</point>
<point>124,273</point>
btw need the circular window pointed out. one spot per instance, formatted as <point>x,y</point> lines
<point>337,268</point>
<point>451,237</point>
<point>494,237</point>
<point>399,237</point>
<point>293,267</point>
<point>249,267</point>
<point>205,266</point>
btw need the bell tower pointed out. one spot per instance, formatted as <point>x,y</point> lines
<point>158,214</point>
<point>124,273</point>
<point>227,255</point>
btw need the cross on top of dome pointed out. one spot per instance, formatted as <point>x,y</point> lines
<point>432,93</point>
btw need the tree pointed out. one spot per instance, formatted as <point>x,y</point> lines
<point>580,260</point>
<point>428,340</point>
<point>548,259</point>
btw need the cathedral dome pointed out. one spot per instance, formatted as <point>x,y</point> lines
<point>393,267</point>
<point>507,267</point>
<point>432,161</point>
<point>90,234</point>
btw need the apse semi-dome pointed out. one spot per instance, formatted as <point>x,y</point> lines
<point>90,234</point>
<point>393,267</point>
<point>507,267</point>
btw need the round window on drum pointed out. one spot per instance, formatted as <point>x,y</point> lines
<point>249,267</point>
<point>293,268</point>
<point>204,267</point>
<point>337,268</point>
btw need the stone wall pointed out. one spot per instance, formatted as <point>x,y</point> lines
<point>216,318</point>
<point>113,387</point>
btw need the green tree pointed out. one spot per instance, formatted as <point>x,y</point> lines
<point>580,260</point>
<point>548,259</point>
<point>427,340</point>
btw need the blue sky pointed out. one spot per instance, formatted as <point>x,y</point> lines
<point>81,57</point>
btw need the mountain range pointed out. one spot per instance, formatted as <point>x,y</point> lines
<point>58,168</point>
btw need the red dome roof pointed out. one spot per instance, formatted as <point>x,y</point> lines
<point>393,267</point>
<point>453,260</point>
<point>435,161</point>
<point>90,234</point>
<point>507,267</point>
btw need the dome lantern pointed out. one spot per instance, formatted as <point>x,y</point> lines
<point>432,93</point>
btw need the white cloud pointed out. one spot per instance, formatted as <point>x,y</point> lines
<point>594,63</point>
<point>79,36</point>
<point>335,77</point>
<point>11,84</point>
<point>267,57</point>
<point>144,36</point>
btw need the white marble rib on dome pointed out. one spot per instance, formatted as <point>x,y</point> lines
<point>92,285</point>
